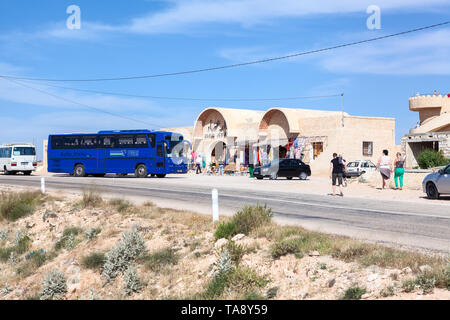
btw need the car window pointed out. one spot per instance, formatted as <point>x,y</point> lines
<point>447,170</point>
<point>353,164</point>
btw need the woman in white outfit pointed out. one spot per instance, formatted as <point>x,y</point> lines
<point>385,167</point>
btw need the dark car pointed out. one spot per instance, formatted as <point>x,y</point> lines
<point>288,168</point>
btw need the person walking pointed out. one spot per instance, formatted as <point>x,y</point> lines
<point>198,164</point>
<point>221,163</point>
<point>399,172</point>
<point>385,166</point>
<point>336,174</point>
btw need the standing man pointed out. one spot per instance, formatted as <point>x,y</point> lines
<point>198,163</point>
<point>336,173</point>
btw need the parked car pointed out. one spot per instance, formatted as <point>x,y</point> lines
<point>288,168</point>
<point>437,183</point>
<point>358,167</point>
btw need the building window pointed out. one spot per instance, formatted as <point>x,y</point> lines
<point>368,148</point>
<point>317,149</point>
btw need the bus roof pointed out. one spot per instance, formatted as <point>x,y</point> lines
<point>142,131</point>
<point>17,144</point>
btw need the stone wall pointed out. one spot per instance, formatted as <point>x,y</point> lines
<point>413,144</point>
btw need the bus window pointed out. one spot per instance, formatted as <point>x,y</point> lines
<point>125,141</point>
<point>88,142</point>
<point>140,141</point>
<point>152,139</point>
<point>107,142</point>
<point>24,151</point>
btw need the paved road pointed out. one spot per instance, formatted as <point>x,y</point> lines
<point>411,224</point>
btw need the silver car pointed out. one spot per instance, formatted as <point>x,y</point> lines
<point>437,183</point>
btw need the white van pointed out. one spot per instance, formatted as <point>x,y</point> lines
<point>18,157</point>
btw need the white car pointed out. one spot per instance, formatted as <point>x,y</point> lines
<point>437,183</point>
<point>17,157</point>
<point>358,167</point>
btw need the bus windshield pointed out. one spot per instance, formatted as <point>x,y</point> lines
<point>24,151</point>
<point>175,146</point>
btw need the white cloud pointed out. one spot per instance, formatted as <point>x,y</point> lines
<point>424,53</point>
<point>193,13</point>
<point>13,92</point>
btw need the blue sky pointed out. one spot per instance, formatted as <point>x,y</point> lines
<point>123,38</point>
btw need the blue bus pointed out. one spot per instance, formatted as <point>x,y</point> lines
<point>142,152</point>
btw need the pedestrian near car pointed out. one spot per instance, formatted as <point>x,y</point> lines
<point>384,165</point>
<point>336,174</point>
<point>399,171</point>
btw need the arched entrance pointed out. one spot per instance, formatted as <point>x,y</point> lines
<point>218,152</point>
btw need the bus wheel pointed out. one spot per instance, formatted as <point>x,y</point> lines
<point>141,171</point>
<point>160,175</point>
<point>27,173</point>
<point>78,171</point>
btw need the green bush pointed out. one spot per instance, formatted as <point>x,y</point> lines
<point>127,251</point>
<point>226,230</point>
<point>94,260</point>
<point>431,158</point>
<point>156,260</point>
<point>409,285</point>
<point>69,238</point>
<point>14,206</point>
<point>121,204</point>
<point>53,286</point>
<point>244,221</point>
<point>285,247</point>
<point>353,293</point>
<point>132,281</point>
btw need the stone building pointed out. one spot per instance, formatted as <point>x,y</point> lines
<point>433,129</point>
<point>244,137</point>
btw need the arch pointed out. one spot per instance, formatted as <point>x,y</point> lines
<point>275,119</point>
<point>207,116</point>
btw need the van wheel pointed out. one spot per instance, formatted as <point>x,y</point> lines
<point>79,171</point>
<point>303,176</point>
<point>432,191</point>
<point>27,173</point>
<point>141,171</point>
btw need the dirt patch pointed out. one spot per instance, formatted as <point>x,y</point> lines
<point>184,246</point>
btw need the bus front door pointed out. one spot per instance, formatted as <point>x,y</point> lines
<point>160,165</point>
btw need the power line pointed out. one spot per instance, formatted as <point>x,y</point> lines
<point>80,104</point>
<point>192,99</point>
<point>233,65</point>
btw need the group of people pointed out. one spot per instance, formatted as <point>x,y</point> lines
<point>387,167</point>
<point>437,93</point>
<point>384,165</point>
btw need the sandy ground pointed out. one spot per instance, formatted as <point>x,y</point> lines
<point>192,237</point>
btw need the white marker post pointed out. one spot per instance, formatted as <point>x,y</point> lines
<point>43,185</point>
<point>215,205</point>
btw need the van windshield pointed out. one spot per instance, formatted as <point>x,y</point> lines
<point>24,151</point>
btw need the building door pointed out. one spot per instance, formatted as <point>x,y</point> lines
<point>317,149</point>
